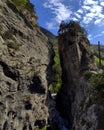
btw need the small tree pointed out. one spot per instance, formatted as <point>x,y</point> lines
<point>75,27</point>
<point>99,54</point>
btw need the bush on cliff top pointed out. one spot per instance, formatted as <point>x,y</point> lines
<point>21,2</point>
<point>24,4</point>
<point>73,27</point>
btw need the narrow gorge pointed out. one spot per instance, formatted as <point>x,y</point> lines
<point>27,63</point>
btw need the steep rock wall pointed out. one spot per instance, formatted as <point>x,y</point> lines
<point>24,59</point>
<point>74,102</point>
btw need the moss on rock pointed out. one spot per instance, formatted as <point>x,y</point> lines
<point>24,4</point>
<point>96,87</point>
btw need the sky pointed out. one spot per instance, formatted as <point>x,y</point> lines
<point>89,13</point>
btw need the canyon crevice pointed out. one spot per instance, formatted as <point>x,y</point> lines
<point>26,59</point>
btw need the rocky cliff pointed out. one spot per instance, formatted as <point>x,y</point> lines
<point>78,100</point>
<point>24,60</point>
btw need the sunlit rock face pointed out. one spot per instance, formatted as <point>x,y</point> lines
<point>75,101</point>
<point>24,58</point>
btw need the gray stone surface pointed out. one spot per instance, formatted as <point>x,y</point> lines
<point>73,101</point>
<point>24,58</point>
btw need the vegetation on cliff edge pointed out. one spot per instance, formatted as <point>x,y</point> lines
<point>24,4</point>
<point>56,67</point>
<point>96,54</point>
<point>95,86</point>
<point>44,128</point>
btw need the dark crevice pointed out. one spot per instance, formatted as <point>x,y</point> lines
<point>30,127</point>
<point>84,63</point>
<point>25,127</point>
<point>70,43</point>
<point>1,104</point>
<point>15,31</point>
<point>14,114</point>
<point>0,93</point>
<point>40,123</point>
<point>9,97</point>
<point>28,105</point>
<point>5,126</point>
<point>12,7</point>
<point>36,86</point>
<point>8,72</point>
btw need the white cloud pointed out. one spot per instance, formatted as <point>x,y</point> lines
<point>102,32</point>
<point>80,11</point>
<point>91,15</point>
<point>97,21</point>
<point>90,2</point>
<point>93,12</point>
<point>75,19</point>
<point>87,19</point>
<point>101,16</point>
<point>86,7</point>
<point>90,11</point>
<point>46,5</point>
<point>102,3</point>
<point>51,25</point>
<point>77,15</point>
<point>61,11</point>
<point>89,36</point>
<point>98,35</point>
<point>96,9</point>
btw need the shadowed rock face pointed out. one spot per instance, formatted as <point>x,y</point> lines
<point>24,57</point>
<point>74,102</point>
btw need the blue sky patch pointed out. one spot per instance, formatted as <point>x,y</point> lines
<point>90,14</point>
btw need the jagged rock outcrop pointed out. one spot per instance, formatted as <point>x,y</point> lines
<point>74,101</point>
<point>24,60</point>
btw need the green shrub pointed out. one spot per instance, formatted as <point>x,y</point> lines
<point>21,3</point>
<point>56,68</point>
<point>97,60</point>
<point>97,82</point>
<point>24,4</point>
<point>96,87</point>
<point>44,128</point>
<point>89,74</point>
